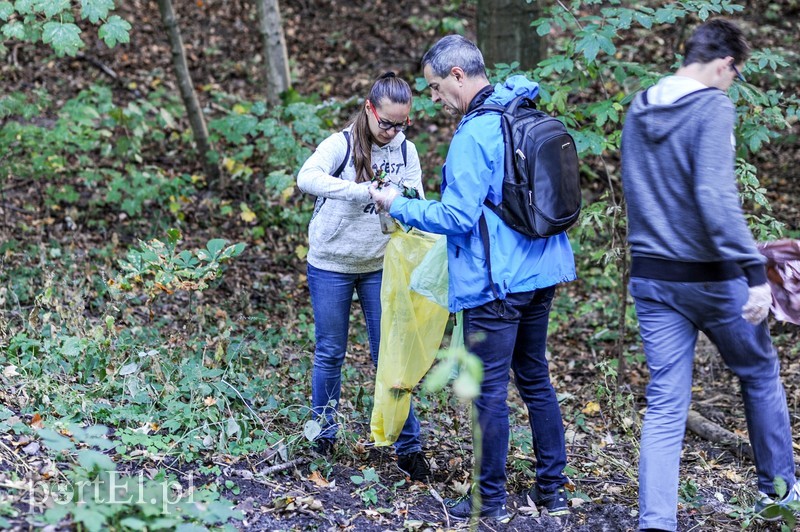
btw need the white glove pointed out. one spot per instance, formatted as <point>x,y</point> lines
<point>758,302</point>
<point>383,196</point>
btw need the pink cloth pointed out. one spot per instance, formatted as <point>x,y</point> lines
<point>783,273</point>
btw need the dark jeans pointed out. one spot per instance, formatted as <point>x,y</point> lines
<point>514,335</point>
<point>331,298</point>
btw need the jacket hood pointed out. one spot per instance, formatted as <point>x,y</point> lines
<point>658,120</point>
<point>511,88</point>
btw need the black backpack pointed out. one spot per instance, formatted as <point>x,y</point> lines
<point>541,188</point>
<point>338,172</point>
<point>541,183</point>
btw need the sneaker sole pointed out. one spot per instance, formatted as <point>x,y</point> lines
<point>502,520</point>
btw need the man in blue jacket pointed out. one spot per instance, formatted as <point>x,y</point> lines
<point>695,268</point>
<point>509,332</point>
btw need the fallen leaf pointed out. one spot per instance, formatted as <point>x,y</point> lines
<point>210,401</point>
<point>318,479</point>
<point>31,449</point>
<point>529,508</point>
<point>733,476</point>
<point>591,408</point>
<point>10,371</point>
<point>577,502</point>
<point>37,422</point>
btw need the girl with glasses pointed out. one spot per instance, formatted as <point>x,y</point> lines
<point>346,246</point>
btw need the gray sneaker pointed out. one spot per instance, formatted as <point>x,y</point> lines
<point>769,509</point>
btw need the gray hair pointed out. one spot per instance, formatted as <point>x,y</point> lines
<point>455,51</point>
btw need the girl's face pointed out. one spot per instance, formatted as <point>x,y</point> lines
<point>386,118</point>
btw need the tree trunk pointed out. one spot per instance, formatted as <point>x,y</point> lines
<point>193,111</point>
<point>275,57</point>
<point>505,34</point>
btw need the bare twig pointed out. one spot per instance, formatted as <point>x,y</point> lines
<point>435,495</point>
<point>102,67</point>
<point>281,467</point>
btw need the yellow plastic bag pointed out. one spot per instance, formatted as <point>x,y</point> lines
<point>430,277</point>
<point>412,327</point>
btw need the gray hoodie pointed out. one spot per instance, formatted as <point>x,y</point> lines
<point>345,235</point>
<point>678,178</point>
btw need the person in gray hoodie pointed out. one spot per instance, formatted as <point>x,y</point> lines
<point>346,246</point>
<point>695,267</point>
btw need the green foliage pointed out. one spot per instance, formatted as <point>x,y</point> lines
<point>275,141</point>
<point>53,22</point>
<point>158,267</point>
<point>97,144</point>
<point>92,494</point>
<point>460,366</point>
<point>591,52</point>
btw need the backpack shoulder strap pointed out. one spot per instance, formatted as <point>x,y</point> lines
<point>320,201</point>
<point>487,107</point>
<point>404,150</point>
<point>338,171</point>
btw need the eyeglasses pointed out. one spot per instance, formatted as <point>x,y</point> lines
<point>738,74</point>
<point>387,125</point>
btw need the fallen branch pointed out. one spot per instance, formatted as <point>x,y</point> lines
<point>280,467</point>
<point>710,431</point>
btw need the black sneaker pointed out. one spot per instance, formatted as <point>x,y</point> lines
<point>415,466</point>
<point>324,447</point>
<point>554,502</point>
<point>461,509</point>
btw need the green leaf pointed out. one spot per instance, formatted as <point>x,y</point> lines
<point>71,346</point>
<point>92,460</point>
<point>14,30</point>
<point>114,31</point>
<point>466,388</point>
<point>64,38</point>
<point>311,429</point>
<point>438,377</point>
<point>645,20</point>
<point>236,127</point>
<point>133,523</point>
<point>215,246</point>
<point>55,441</point>
<point>543,29</point>
<point>93,520</point>
<point>669,15</point>
<point>50,8</point>
<point>593,41</point>
<point>24,7</point>
<point>96,10</point>
<point>6,10</point>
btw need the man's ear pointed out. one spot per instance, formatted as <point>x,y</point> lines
<point>458,73</point>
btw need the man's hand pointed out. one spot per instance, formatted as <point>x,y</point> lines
<point>383,196</point>
<point>757,307</point>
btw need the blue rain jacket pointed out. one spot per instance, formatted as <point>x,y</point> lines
<point>473,171</point>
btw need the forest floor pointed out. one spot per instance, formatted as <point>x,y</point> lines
<point>337,48</point>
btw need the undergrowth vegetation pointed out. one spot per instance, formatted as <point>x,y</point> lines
<point>150,324</point>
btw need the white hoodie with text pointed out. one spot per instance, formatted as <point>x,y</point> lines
<point>345,235</point>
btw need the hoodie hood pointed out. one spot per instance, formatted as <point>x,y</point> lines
<point>511,88</point>
<point>663,108</point>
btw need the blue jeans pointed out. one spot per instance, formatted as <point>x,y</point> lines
<point>670,315</point>
<point>513,334</point>
<point>331,297</point>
